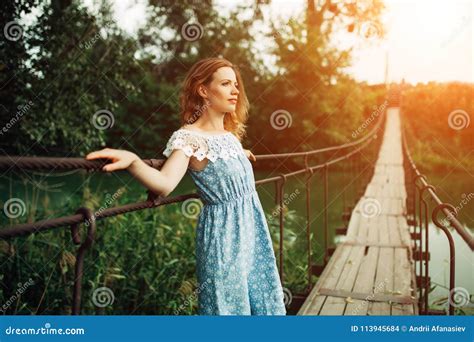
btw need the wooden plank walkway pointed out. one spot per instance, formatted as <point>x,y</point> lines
<point>371,271</point>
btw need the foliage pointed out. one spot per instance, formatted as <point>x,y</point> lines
<point>437,119</point>
<point>146,258</point>
<point>72,64</point>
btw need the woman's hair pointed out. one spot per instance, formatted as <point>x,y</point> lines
<point>192,104</point>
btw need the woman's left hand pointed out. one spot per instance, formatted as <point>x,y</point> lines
<point>250,155</point>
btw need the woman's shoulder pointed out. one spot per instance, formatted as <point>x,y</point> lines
<point>202,144</point>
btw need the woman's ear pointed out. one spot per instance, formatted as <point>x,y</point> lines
<point>202,91</point>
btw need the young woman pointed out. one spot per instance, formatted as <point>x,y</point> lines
<point>236,265</point>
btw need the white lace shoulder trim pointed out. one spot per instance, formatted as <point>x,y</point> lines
<point>202,145</point>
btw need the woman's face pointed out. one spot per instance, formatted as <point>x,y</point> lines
<point>223,91</point>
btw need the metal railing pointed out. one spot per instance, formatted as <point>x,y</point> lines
<point>418,207</point>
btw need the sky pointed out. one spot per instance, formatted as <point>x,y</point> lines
<point>426,40</point>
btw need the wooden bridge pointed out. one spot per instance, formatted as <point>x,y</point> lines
<point>372,271</point>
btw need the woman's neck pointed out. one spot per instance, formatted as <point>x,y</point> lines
<point>211,122</point>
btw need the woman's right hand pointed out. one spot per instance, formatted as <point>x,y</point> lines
<point>121,159</point>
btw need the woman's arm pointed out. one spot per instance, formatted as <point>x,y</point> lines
<point>161,182</point>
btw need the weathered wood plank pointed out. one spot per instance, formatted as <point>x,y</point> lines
<point>328,278</point>
<point>394,232</point>
<point>383,281</point>
<point>336,305</point>
<point>402,282</point>
<point>364,282</point>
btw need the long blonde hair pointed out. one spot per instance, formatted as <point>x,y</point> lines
<point>192,104</point>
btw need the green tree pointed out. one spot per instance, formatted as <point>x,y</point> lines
<point>77,66</point>
<point>310,89</point>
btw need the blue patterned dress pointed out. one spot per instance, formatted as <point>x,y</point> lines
<point>236,265</point>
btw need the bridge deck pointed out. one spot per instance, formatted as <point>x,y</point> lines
<point>371,271</point>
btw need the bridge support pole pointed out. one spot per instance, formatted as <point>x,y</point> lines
<point>326,194</point>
